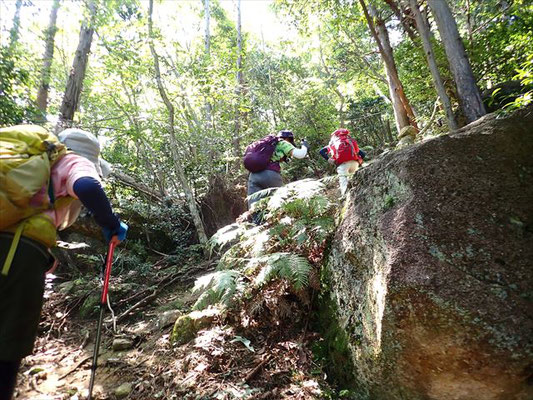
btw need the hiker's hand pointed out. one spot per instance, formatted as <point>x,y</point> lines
<point>331,161</point>
<point>305,144</point>
<point>116,236</point>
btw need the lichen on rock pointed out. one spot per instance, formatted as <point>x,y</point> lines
<point>430,278</point>
<point>187,326</point>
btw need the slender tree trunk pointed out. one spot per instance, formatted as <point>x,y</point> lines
<point>404,19</point>
<point>469,23</point>
<point>270,91</point>
<point>333,84</point>
<point>14,32</point>
<point>72,96</point>
<point>178,168</point>
<point>403,113</point>
<point>423,29</point>
<point>467,89</point>
<point>135,184</point>
<point>42,95</point>
<point>207,32</point>
<point>238,114</point>
<point>207,49</point>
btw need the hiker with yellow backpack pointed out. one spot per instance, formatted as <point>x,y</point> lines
<point>43,184</point>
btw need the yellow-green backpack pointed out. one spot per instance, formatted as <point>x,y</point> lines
<point>27,155</point>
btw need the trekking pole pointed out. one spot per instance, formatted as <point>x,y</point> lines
<point>103,302</point>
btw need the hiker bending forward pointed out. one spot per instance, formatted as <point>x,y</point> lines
<point>343,152</point>
<point>266,174</point>
<point>24,245</point>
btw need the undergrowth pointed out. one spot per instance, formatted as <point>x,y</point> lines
<point>279,257</point>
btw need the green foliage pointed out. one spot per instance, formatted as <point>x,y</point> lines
<point>15,107</point>
<point>298,221</point>
<point>503,38</point>
<point>525,75</point>
<point>218,287</point>
<point>389,202</point>
<point>291,267</point>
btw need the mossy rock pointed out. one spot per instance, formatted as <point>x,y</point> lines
<point>123,390</point>
<point>407,131</point>
<point>187,326</point>
<point>90,306</point>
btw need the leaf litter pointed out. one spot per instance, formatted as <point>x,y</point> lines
<point>261,353</point>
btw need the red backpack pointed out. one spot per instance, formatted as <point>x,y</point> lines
<point>342,147</point>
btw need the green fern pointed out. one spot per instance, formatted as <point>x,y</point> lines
<point>226,235</point>
<point>298,216</point>
<point>329,180</point>
<point>217,287</point>
<point>261,194</point>
<point>287,266</point>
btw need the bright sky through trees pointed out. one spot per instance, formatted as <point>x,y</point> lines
<point>257,17</point>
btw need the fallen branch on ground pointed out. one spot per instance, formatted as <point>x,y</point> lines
<point>254,372</point>
<point>76,367</point>
<point>147,299</point>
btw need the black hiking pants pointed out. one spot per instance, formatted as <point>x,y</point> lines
<point>258,181</point>
<point>21,293</point>
<point>262,180</point>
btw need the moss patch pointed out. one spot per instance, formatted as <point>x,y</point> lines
<point>332,351</point>
<point>89,308</point>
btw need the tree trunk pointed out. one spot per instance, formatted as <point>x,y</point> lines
<point>238,116</point>
<point>178,168</point>
<point>423,29</point>
<point>403,113</point>
<point>207,32</point>
<point>42,95</point>
<point>467,89</point>
<point>72,95</point>
<point>14,32</point>
<point>332,82</point>
<point>135,184</point>
<point>404,19</point>
<point>207,48</point>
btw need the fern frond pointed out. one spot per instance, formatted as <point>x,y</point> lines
<point>329,180</point>
<point>322,227</point>
<point>225,235</point>
<point>287,266</point>
<point>265,275</point>
<point>300,269</point>
<point>217,287</point>
<point>256,306</point>
<point>261,194</point>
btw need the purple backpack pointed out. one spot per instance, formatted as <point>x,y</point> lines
<point>257,155</point>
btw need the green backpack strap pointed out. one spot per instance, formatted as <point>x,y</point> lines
<point>12,249</point>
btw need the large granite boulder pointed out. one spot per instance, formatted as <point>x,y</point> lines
<point>431,269</point>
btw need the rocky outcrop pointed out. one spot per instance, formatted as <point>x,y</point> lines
<point>431,267</point>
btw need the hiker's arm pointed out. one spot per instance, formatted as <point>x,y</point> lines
<point>299,153</point>
<point>92,195</point>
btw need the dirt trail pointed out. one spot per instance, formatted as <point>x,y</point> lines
<point>220,363</point>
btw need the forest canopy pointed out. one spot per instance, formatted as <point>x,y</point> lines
<point>176,90</point>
